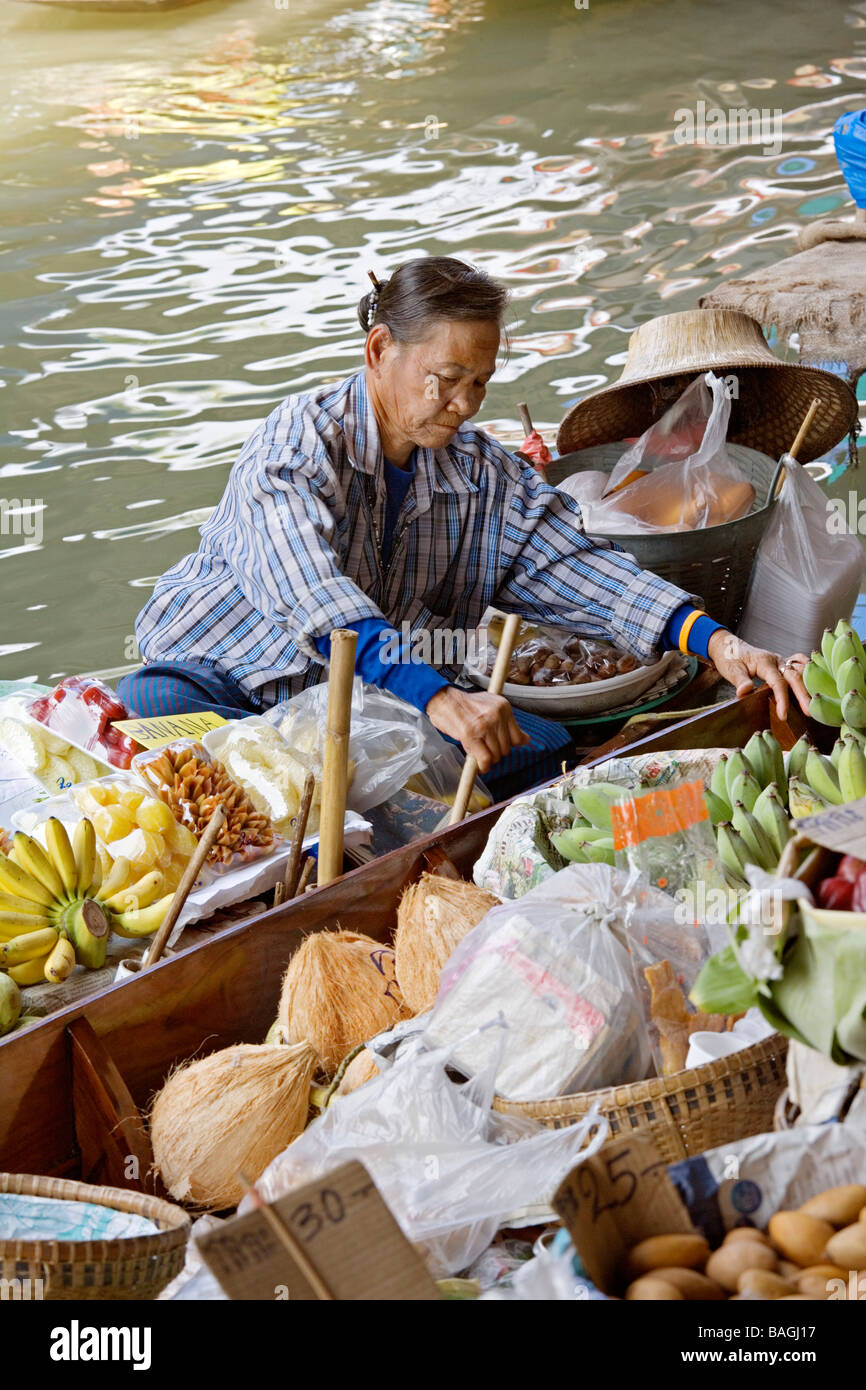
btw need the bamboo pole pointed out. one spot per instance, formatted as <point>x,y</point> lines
<point>190,874</point>
<point>497,680</point>
<point>293,867</point>
<point>336,760</point>
<point>798,442</point>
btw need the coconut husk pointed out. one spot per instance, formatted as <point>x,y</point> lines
<point>231,1112</point>
<point>434,915</point>
<point>361,1069</point>
<point>340,990</point>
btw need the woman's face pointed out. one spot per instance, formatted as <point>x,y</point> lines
<point>428,389</point>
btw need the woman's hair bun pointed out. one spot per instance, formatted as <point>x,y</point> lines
<point>368,305</point>
<point>430,289</point>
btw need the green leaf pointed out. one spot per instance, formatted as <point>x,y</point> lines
<point>723,987</point>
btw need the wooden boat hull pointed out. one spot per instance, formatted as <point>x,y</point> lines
<point>65,1082</point>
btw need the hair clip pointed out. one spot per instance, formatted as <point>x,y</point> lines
<point>373,302</point>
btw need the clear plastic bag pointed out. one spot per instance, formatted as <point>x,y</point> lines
<point>676,904</point>
<point>82,710</point>
<point>43,757</point>
<point>385,747</point>
<point>556,965</point>
<point>678,476</point>
<point>192,784</point>
<point>807,573</point>
<point>450,1168</point>
<point>546,655</point>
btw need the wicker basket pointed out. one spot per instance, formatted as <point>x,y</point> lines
<point>134,1267</point>
<point>715,562</point>
<point>686,1114</point>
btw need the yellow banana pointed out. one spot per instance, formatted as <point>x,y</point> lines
<point>84,850</point>
<point>14,924</point>
<point>31,973</point>
<point>137,895</point>
<point>16,880</point>
<point>32,857</point>
<point>116,879</point>
<point>61,855</point>
<point>23,948</point>
<point>12,903</point>
<point>143,921</point>
<point>61,961</point>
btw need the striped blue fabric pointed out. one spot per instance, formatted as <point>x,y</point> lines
<point>293,550</point>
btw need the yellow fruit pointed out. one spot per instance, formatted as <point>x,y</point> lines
<point>31,973</point>
<point>118,824</point>
<point>181,840</point>
<point>101,795</point>
<point>33,945</point>
<point>105,860</point>
<point>155,815</point>
<point>61,962</point>
<point>155,849</point>
<point>131,799</point>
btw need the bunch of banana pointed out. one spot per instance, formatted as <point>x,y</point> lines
<point>748,804</point>
<point>56,911</point>
<point>590,839</point>
<point>835,678</point>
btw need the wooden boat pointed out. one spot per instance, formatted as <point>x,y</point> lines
<point>73,1088</point>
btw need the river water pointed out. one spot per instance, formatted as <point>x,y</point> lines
<point>191,201</point>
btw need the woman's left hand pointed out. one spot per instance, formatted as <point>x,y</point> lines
<point>742,665</point>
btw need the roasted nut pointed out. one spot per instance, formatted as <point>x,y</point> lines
<point>542,676</point>
<point>625,664</point>
<point>605,670</point>
<point>552,662</point>
<point>192,788</point>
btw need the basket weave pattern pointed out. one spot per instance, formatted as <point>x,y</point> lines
<point>134,1267</point>
<point>717,1103</point>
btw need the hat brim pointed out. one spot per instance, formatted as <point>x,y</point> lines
<point>767,408</point>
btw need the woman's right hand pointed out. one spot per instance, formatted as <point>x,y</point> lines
<point>483,723</point>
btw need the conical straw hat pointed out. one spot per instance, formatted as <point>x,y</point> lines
<point>767,408</point>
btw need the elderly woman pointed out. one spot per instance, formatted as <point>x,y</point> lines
<point>371,503</point>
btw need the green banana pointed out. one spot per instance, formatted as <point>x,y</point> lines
<point>732,850</point>
<point>827,710</point>
<point>10,1004</point>
<point>836,752</point>
<point>851,677</point>
<point>777,765</point>
<point>851,770</point>
<point>843,651</point>
<point>796,765</point>
<point>719,810</point>
<point>853,709</point>
<point>759,848</point>
<point>821,776</point>
<point>737,763</point>
<point>828,641</point>
<point>746,789</point>
<point>857,734</point>
<point>769,811</point>
<point>574,845</point>
<point>859,649</point>
<point>819,681</point>
<point>719,781</point>
<point>803,800</point>
<point>756,754</point>
<point>594,802</point>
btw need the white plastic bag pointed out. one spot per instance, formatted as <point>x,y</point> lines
<point>450,1168</point>
<point>807,573</point>
<point>556,965</point>
<point>385,746</point>
<point>689,481</point>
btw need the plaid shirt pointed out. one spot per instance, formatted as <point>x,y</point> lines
<point>294,550</point>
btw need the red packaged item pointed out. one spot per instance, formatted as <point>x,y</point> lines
<point>836,893</point>
<point>82,709</point>
<point>858,897</point>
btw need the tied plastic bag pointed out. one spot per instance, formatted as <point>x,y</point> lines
<point>677,476</point>
<point>385,747</point>
<point>557,967</point>
<point>808,569</point>
<point>451,1168</point>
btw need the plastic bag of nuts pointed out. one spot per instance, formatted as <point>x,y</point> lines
<point>552,656</point>
<point>192,783</point>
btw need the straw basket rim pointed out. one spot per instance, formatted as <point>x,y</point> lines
<point>657,1089</point>
<point>173,1221</point>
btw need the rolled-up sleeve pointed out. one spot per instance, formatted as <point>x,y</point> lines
<point>558,574</point>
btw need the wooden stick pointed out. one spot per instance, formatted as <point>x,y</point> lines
<point>798,442</point>
<point>299,830</point>
<point>497,680</point>
<point>336,761</point>
<point>279,893</point>
<point>190,874</point>
<point>306,875</point>
<point>525,419</point>
<point>288,1241</point>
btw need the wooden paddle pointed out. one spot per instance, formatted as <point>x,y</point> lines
<point>335,769</point>
<point>497,680</point>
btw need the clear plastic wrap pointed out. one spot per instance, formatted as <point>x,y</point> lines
<point>446,1163</point>
<point>556,965</point>
<point>385,748</point>
<point>43,756</point>
<point>192,784</point>
<point>82,710</point>
<point>135,824</point>
<point>546,655</point>
<point>677,477</point>
<point>271,772</point>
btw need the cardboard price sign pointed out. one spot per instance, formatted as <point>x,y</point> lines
<point>841,828</point>
<point>333,1238</point>
<point>614,1199</point>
